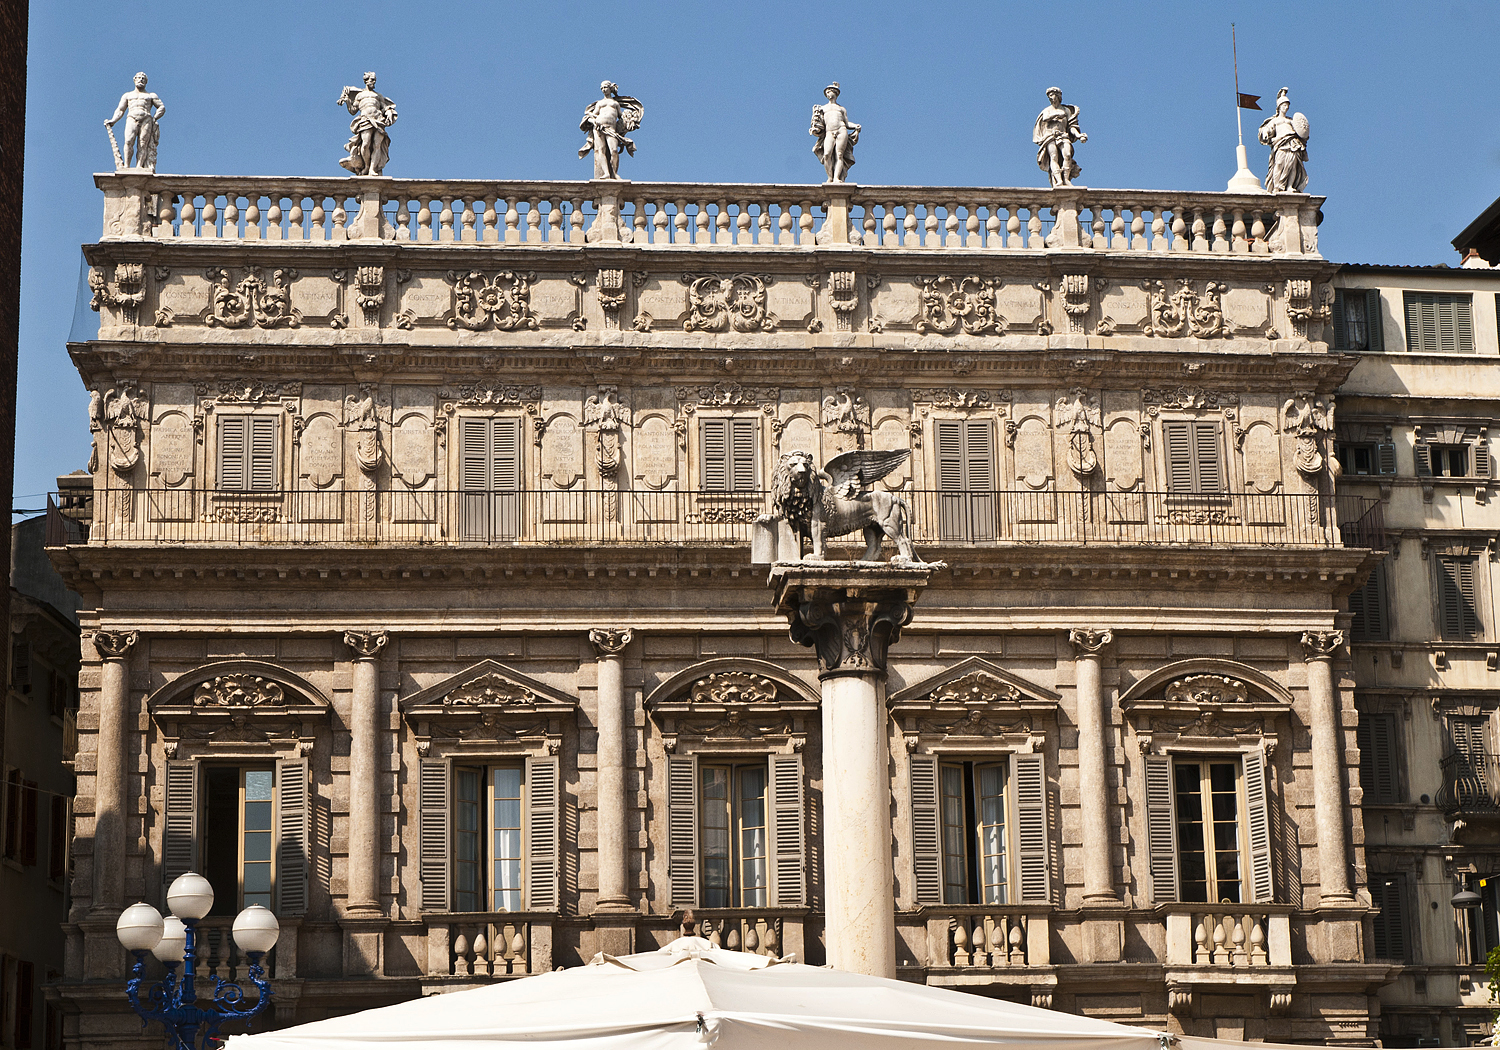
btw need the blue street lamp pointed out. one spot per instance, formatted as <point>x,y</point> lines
<point>174,999</point>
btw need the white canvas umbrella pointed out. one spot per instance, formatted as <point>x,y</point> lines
<point>690,995</point>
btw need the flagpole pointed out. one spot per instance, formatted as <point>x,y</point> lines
<point>1244,180</point>
<point>1234,45</point>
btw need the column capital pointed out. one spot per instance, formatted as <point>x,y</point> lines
<point>610,641</point>
<point>851,613</point>
<point>1321,645</point>
<point>114,645</point>
<point>366,644</point>
<point>1089,642</point>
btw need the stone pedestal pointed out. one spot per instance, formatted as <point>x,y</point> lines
<point>1319,649</point>
<point>364,775</point>
<point>851,613</point>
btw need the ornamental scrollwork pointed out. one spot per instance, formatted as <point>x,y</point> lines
<point>254,301</point>
<point>473,395</point>
<point>1321,645</point>
<point>976,687</point>
<point>1186,312</point>
<point>950,303</point>
<point>113,645</point>
<point>127,294</point>
<point>1207,689</point>
<point>1188,398</point>
<point>371,294</point>
<point>1308,415</point>
<point>610,641</point>
<point>238,690</point>
<point>733,687</point>
<point>734,303</point>
<point>489,690</point>
<point>502,301</point>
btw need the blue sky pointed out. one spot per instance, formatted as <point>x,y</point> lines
<point>1401,97</point>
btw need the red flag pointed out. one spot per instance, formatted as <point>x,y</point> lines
<point>1249,101</point>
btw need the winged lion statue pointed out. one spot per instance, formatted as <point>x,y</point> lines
<point>819,505</point>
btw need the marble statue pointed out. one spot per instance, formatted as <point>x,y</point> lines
<point>607,122</point>
<point>1056,131</point>
<point>1287,136</point>
<point>142,110</point>
<point>836,135</point>
<point>823,504</point>
<point>369,144</point>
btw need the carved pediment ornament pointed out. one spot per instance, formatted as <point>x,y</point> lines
<point>733,687</point>
<point>1187,398</point>
<point>1207,689</point>
<point>239,690</point>
<point>976,687</point>
<point>490,690</point>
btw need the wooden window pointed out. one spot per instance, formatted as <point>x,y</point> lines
<point>1439,322</point>
<point>1368,604</point>
<point>248,454</point>
<point>1208,829</point>
<point>966,479</point>
<point>1387,893</point>
<point>979,830</point>
<point>1357,319</point>
<point>59,831</point>
<point>1376,735</point>
<point>727,451</point>
<point>735,832</point>
<point>1452,459</point>
<point>1364,458</point>
<point>1194,463</point>
<point>1458,616</point>
<point>489,472</point>
<point>488,835</point>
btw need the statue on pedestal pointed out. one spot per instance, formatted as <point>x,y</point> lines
<point>141,110</point>
<point>1287,136</point>
<point>1055,132</point>
<point>822,505</point>
<point>607,122</point>
<point>836,135</point>
<point>369,144</point>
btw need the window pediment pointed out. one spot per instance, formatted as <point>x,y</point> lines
<point>487,704</point>
<point>238,702</point>
<point>974,702</point>
<point>726,706</point>
<point>1205,705</point>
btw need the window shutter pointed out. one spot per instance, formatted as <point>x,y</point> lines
<point>1159,829</point>
<point>979,457</point>
<point>742,455</point>
<point>1258,828</point>
<point>1340,330</point>
<point>433,805</point>
<point>232,474</point>
<point>1179,444</point>
<point>713,447</point>
<point>543,809</point>
<point>1383,755</point>
<point>1374,325</point>
<point>1390,924</point>
<point>1470,737</point>
<point>20,665</point>
<point>293,820</point>
<point>682,828</point>
<point>505,465</point>
<point>1423,455</point>
<point>28,822</point>
<point>1482,458</point>
<point>1368,606</point>
<point>1385,457</point>
<point>926,841</point>
<point>473,454</point>
<point>950,455</point>
<point>1206,453</point>
<point>179,848</point>
<point>788,856</point>
<point>1030,779</point>
<point>1459,618</point>
<point>58,836</point>
<point>263,472</point>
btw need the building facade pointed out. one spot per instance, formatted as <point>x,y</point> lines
<point>424,596</point>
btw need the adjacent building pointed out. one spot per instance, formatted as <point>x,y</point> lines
<point>422,600</point>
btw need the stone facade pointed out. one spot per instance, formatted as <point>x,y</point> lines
<point>418,499</point>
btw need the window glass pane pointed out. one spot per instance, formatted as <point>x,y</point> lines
<point>1355,327</point>
<point>506,838</point>
<point>255,837</point>
<point>1192,864</point>
<point>991,807</point>
<point>1226,833</point>
<point>752,801</point>
<point>466,888</point>
<point>713,835</point>
<point>955,831</point>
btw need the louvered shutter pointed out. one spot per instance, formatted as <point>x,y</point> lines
<point>1390,919</point>
<point>682,828</point>
<point>20,665</point>
<point>1030,779</point>
<point>1160,839</point>
<point>473,454</point>
<point>434,804</point>
<point>263,472</point>
<point>1420,336</point>
<point>1179,444</point>
<point>953,505</point>
<point>1481,458</point>
<point>979,478</point>
<point>1459,618</point>
<point>1374,324</point>
<point>543,856</point>
<point>505,475</point>
<point>713,449</point>
<point>926,839</point>
<point>293,823</point>
<point>1385,457</point>
<point>1422,453</point>
<point>1258,828</point>
<point>1368,606</point>
<point>1206,457</point>
<point>788,854</point>
<point>1382,745</point>
<point>742,477</point>
<point>232,470</point>
<point>1340,328</point>
<point>179,848</point>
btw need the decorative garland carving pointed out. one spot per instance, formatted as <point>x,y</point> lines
<point>502,301</point>
<point>239,690</point>
<point>489,690</point>
<point>1187,398</point>
<point>612,294</point>
<point>371,294</point>
<point>734,303</point>
<point>1207,689</point>
<point>248,392</point>
<point>843,291</point>
<point>950,303</point>
<point>1186,312</point>
<point>1075,289</point>
<point>976,687</point>
<point>733,687</point>
<point>253,301</point>
<point>473,395</point>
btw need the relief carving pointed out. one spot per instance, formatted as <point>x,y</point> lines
<point>490,690</point>
<point>252,301</point>
<point>238,690</point>
<point>1075,289</point>
<point>1186,312</point>
<point>976,687</point>
<point>843,291</point>
<point>845,412</point>
<point>1207,689</point>
<point>612,295</point>
<point>953,397</point>
<point>1078,413</point>
<point>1187,398</point>
<point>950,303</point>
<point>473,395</point>
<point>735,303</point>
<point>360,420</point>
<point>127,294</point>
<point>733,687</point>
<point>502,301</point>
<point>371,295</point>
<point>1309,416</point>
<point>117,415</point>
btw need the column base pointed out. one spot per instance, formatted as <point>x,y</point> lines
<point>614,930</point>
<point>1104,930</point>
<point>364,945</point>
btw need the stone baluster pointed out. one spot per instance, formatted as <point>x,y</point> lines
<point>1220,954</point>
<point>482,963</point>
<point>1221,239</point>
<point>1013,238</point>
<point>680,223</point>
<point>365,792</point>
<point>462,965</point>
<point>1094,729</point>
<point>445,221</point>
<point>700,234</point>
<point>210,225</point>
<point>294,220</point>
<point>318,231</point>
<point>340,230</point>
<point>784,234</point>
<point>1257,942</point>
<point>555,221</point>
<point>1117,239</point>
<point>1238,243</point>
<point>491,220</point>
<point>770,942</point>
<point>971,228</point>
<point>1200,232</point>
<point>1258,245</point>
<point>909,236</point>
<point>659,231</point>
<point>872,229</point>
<point>951,236</point>
<point>403,222</point>
<point>165,217</point>
<point>983,944</point>
<point>743,233</point>
<point>518,959</point>
<point>1158,230</point>
<point>1200,941</point>
<point>273,220</point>
<point>721,223</point>
<point>533,220</point>
<point>188,227</point>
<point>252,218</point>
<point>111,842</point>
<point>575,223</point>
<point>930,227</point>
<point>1138,242</point>
<point>1093,233</point>
<point>1017,943</point>
<point>512,220</point>
<point>752,938</point>
<point>231,230</point>
<point>1319,649</point>
<point>992,227</point>
<point>805,235</point>
<point>1035,240</point>
<point>464,221</point>
<point>716,936</point>
<point>638,223</point>
<point>1236,941</point>
<point>961,942</point>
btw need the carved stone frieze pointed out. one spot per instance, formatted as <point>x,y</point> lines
<point>955,397</point>
<point>127,292</point>
<point>489,690</point>
<point>248,391</point>
<point>478,395</point>
<point>1207,689</point>
<point>1187,398</point>
<point>975,723</point>
<point>725,395</point>
<point>843,293</point>
<point>252,301</point>
<point>722,304</point>
<point>501,301</point>
<point>948,304</point>
<point>733,687</point>
<point>239,690</point>
<point>976,687</point>
<point>1185,311</point>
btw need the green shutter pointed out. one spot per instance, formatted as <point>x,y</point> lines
<point>179,847</point>
<point>434,799</point>
<point>293,821</point>
<point>1374,322</point>
<point>1029,776</point>
<point>926,843</point>
<point>1178,438</point>
<point>788,854</point>
<point>473,454</point>
<point>1482,458</point>
<point>1258,828</point>
<point>1160,841</point>
<point>1340,328</point>
<point>543,856</point>
<point>1385,458</point>
<point>682,829</point>
<point>1422,454</point>
<point>232,470</point>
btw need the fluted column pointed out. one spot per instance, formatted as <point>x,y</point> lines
<point>364,773</point>
<point>1319,649</point>
<point>1093,785</point>
<point>851,614</point>
<point>110,802</point>
<point>613,813</point>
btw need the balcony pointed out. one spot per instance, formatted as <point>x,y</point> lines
<point>596,518</point>
<point>1471,786</point>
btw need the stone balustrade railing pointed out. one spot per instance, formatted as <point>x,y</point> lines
<point>757,934</point>
<point>988,937</point>
<point>482,945</point>
<point>1235,936</point>
<point>761,216</point>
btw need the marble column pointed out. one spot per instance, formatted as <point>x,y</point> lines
<point>364,774</point>
<point>851,614</point>
<point>1319,649</point>
<point>111,770</point>
<point>1093,784</point>
<point>614,726</point>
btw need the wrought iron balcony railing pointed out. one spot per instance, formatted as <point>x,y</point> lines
<point>1471,785</point>
<point>592,517</point>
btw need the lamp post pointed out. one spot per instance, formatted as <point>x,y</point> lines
<point>174,999</point>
